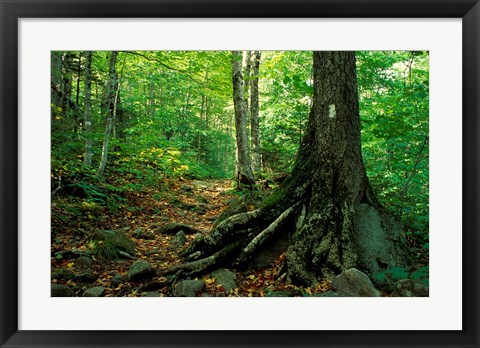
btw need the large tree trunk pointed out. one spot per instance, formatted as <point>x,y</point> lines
<point>325,213</point>
<point>88,109</point>
<point>112,95</point>
<point>244,174</point>
<point>254,119</point>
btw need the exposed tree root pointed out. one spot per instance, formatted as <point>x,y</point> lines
<point>323,237</point>
<point>199,266</point>
<point>265,235</point>
<point>233,226</point>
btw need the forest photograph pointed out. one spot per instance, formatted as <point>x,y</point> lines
<point>239,173</point>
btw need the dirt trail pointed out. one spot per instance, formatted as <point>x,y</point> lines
<point>191,202</point>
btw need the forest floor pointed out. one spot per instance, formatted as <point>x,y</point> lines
<point>191,202</point>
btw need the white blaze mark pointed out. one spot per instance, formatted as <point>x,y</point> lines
<point>331,111</point>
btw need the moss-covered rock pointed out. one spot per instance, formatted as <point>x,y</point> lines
<point>139,270</point>
<point>116,239</point>
<point>59,290</point>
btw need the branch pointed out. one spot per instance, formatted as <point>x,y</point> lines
<point>414,169</point>
<point>165,65</point>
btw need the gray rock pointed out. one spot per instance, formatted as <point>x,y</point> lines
<point>381,244</point>
<point>85,277</point>
<point>280,293</point>
<point>189,288</point>
<point>186,188</point>
<point>410,288</point>
<point>62,274</point>
<point>96,291</point>
<point>59,290</point>
<point>172,228</point>
<point>152,294</point>
<point>117,239</point>
<point>140,234</point>
<point>200,184</point>
<point>84,262</point>
<point>139,270</point>
<point>354,283</point>
<point>117,279</point>
<point>178,240</point>
<point>226,278</point>
<point>326,294</point>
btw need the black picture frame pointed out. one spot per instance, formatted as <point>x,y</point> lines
<point>13,10</point>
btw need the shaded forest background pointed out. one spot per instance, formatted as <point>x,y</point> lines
<point>160,127</point>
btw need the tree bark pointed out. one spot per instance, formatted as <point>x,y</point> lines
<point>246,78</point>
<point>112,95</point>
<point>88,109</point>
<point>56,78</point>
<point>244,173</point>
<point>254,114</point>
<point>326,209</point>
<point>66,84</point>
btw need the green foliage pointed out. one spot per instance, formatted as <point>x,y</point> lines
<point>387,279</point>
<point>394,110</point>
<point>286,93</point>
<point>421,274</point>
<point>175,119</point>
<point>104,250</point>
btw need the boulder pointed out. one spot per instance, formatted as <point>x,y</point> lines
<point>117,279</point>
<point>116,239</point>
<point>59,290</point>
<point>172,228</point>
<point>200,185</point>
<point>62,274</point>
<point>186,188</point>
<point>139,270</point>
<point>226,278</point>
<point>140,234</point>
<point>326,294</point>
<point>189,288</point>
<point>280,293</point>
<point>178,240</point>
<point>152,294</point>
<point>354,283</point>
<point>84,262</point>
<point>85,277</point>
<point>96,291</point>
<point>410,288</point>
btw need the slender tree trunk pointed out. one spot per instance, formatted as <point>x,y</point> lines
<point>112,95</point>
<point>66,86</point>
<point>254,118</point>
<point>88,109</point>
<point>246,78</point>
<point>56,78</point>
<point>77,93</point>
<point>244,174</point>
